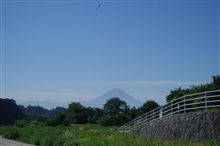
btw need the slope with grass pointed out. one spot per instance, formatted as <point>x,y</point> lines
<point>84,135</point>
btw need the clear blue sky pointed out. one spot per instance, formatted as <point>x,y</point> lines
<point>69,51</point>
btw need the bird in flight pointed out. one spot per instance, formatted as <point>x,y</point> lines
<point>100,4</point>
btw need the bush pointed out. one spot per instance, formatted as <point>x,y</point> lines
<point>71,142</point>
<point>59,141</point>
<point>12,134</point>
<point>21,123</point>
<point>107,120</point>
<point>92,120</point>
<point>47,141</point>
<point>114,120</point>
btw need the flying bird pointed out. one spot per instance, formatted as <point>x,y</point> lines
<point>100,4</point>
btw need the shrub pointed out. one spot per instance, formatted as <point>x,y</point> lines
<point>59,141</point>
<point>21,123</point>
<point>47,141</point>
<point>12,134</point>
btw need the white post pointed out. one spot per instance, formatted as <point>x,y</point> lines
<point>184,106</point>
<point>171,107</point>
<point>153,114</point>
<point>205,101</point>
<point>146,118</point>
<point>178,108</point>
<point>134,125</point>
<point>161,113</point>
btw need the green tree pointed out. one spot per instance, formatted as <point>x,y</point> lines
<point>94,115</point>
<point>216,81</point>
<point>116,112</point>
<point>179,92</point>
<point>176,93</point>
<point>133,113</point>
<point>148,106</point>
<point>76,113</point>
<point>115,105</point>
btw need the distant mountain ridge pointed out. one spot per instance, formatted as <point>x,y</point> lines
<point>45,104</point>
<point>101,100</point>
<point>38,111</point>
<point>97,102</point>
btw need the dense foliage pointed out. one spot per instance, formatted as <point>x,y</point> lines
<point>115,105</point>
<point>116,112</point>
<point>148,106</point>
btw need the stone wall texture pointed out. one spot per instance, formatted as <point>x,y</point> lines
<point>195,126</point>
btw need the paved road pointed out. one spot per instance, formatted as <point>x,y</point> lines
<point>7,142</point>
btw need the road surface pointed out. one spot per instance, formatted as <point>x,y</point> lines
<point>8,142</point>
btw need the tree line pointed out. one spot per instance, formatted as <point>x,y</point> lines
<point>115,112</point>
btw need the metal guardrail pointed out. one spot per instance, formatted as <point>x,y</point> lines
<point>185,104</point>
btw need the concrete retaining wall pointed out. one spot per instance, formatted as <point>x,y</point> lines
<point>190,126</point>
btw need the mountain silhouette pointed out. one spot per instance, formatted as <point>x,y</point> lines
<point>101,100</point>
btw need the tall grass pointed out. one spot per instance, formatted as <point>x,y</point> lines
<point>85,135</point>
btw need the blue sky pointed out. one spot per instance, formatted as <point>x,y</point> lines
<point>69,51</point>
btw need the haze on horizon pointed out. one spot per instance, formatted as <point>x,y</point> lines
<point>69,51</point>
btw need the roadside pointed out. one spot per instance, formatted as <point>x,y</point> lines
<point>8,142</point>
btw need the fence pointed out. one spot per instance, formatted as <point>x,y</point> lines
<point>188,103</point>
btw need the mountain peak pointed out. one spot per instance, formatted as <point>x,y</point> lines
<point>116,92</point>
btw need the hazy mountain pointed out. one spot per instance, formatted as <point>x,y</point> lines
<point>46,104</point>
<point>101,100</point>
<point>97,102</point>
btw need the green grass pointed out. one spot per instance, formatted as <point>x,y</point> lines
<point>85,135</point>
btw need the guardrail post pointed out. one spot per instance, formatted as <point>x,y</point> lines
<point>178,108</point>
<point>129,128</point>
<point>161,113</point>
<point>205,101</point>
<point>184,102</point>
<point>146,118</point>
<point>153,114</point>
<point>171,107</point>
<point>134,125</point>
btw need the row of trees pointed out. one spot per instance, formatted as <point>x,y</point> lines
<point>115,112</point>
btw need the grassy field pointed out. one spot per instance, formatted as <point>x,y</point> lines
<point>84,135</point>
